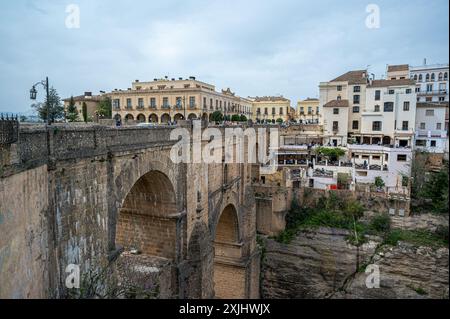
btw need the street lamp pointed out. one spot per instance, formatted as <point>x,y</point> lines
<point>33,96</point>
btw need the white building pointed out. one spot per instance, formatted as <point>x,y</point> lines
<point>431,132</point>
<point>432,82</point>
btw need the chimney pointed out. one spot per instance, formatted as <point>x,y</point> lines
<point>425,61</point>
<point>137,81</point>
<point>181,79</point>
<point>192,78</point>
<point>155,79</point>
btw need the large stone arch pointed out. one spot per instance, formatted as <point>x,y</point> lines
<point>141,118</point>
<point>192,116</point>
<point>153,118</point>
<point>147,219</point>
<point>128,171</point>
<point>165,118</point>
<point>178,117</point>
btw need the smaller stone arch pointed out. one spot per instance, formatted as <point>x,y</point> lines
<point>192,116</point>
<point>178,117</point>
<point>165,118</point>
<point>141,118</point>
<point>129,117</point>
<point>386,140</point>
<point>117,117</point>
<point>153,118</point>
<point>205,116</point>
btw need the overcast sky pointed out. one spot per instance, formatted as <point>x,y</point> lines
<point>256,47</point>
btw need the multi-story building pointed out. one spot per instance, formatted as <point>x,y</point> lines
<point>167,100</point>
<point>432,82</point>
<point>91,101</point>
<point>308,111</point>
<point>342,101</point>
<point>271,108</point>
<point>431,132</point>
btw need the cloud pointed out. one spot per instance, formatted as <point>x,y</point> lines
<point>256,47</point>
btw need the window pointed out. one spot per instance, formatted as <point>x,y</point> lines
<point>356,89</point>
<point>418,89</point>
<point>401,158</point>
<point>429,113</point>
<point>336,111</point>
<point>339,98</point>
<point>442,99</point>
<point>129,103</point>
<point>406,106</point>
<point>389,107</point>
<point>415,77</point>
<point>429,99</point>
<point>258,110</point>
<point>192,102</point>
<point>405,125</point>
<point>273,111</point>
<point>440,77</point>
<point>281,111</point>
<point>165,102</point>
<point>204,103</point>
<point>335,126</point>
<point>438,126</point>
<point>420,78</point>
<point>356,109</point>
<point>355,125</point>
<point>421,143</point>
<point>433,143</point>
<point>339,87</point>
<point>376,157</point>
<point>377,95</point>
<point>429,87</point>
<point>152,102</point>
<point>433,77</point>
<point>356,99</point>
<point>266,111</point>
<point>408,91</point>
<point>391,92</point>
<point>140,103</point>
<point>302,110</point>
<point>427,78</point>
<point>309,110</point>
<point>422,126</point>
<point>116,103</point>
<point>377,108</point>
<point>445,76</point>
<point>376,126</point>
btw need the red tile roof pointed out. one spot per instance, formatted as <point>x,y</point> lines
<point>337,103</point>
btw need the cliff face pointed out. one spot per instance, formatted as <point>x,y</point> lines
<point>322,264</point>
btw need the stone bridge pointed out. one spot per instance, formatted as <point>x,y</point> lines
<point>88,195</point>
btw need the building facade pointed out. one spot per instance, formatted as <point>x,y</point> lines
<point>170,100</point>
<point>432,82</point>
<point>271,108</point>
<point>431,131</point>
<point>91,101</point>
<point>308,112</point>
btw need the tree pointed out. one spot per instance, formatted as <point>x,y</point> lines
<point>84,110</point>
<point>244,118</point>
<point>331,153</point>
<point>72,112</point>
<point>104,109</point>
<point>217,116</point>
<point>23,118</point>
<point>55,108</point>
<point>379,183</point>
<point>235,118</point>
<point>280,120</point>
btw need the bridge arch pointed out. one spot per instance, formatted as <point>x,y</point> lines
<point>192,116</point>
<point>147,219</point>
<point>141,118</point>
<point>165,118</point>
<point>153,118</point>
<point>228,270</point>
<point>178,117</point>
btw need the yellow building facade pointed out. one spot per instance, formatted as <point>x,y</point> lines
<point>271,108</point>
<point>170,100</point>
<point>308,111</point>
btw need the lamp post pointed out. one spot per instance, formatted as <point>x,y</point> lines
<point>184,107</point>
<point>33,96</point>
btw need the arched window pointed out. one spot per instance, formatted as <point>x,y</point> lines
<point>420,78</point>
<point>441,76</point>
<point>427,77</point>
<point>415,77</point>
<point>339,98</point>
<point>445,76</point>
<point>433,77</point>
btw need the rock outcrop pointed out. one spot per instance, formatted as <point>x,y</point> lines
<point>323,264</point>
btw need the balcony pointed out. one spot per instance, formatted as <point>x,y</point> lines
<point>431,134</point>
<point>436,92</point>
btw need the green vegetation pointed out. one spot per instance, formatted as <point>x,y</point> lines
<point>217,116</point>
<point>55,110</point>
<point>244,118</point>
<point>280,120</point>
<point>235,118</point>
<point>104,108</point>
<point>331,153</point>
<point>336,212</point>
<point>379,183</point>
<point>84,110</point>
<point>429,190</point>
<point>72,112</point>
